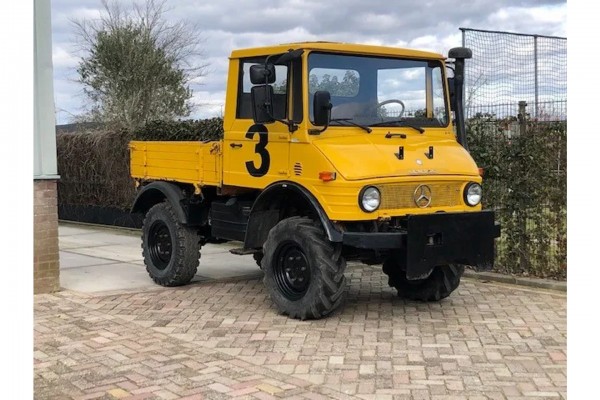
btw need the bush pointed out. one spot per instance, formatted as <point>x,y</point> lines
<point>525,182</point>
<point>94,169</point>
<point>204,130</point>
<point>94,163</point>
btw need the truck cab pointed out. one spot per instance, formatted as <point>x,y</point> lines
<point>331,152</point>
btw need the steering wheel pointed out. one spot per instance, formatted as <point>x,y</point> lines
<point>392,101</point>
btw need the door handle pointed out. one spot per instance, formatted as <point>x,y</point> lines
<point>235,145</point>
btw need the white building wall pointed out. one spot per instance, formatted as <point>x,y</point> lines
<point>44,131</point>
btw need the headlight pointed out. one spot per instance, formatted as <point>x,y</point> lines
<point>369,199</point>
<point>473,193</point>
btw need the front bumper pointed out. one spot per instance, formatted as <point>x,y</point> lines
<point>437,239</point>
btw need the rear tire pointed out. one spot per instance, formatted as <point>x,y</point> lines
<point>171,251</point>
<point>304,272</point>
<point>442,281</point>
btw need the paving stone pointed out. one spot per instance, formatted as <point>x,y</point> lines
<point>223,339</point>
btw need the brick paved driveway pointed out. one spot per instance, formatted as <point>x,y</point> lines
<point>215,340</point>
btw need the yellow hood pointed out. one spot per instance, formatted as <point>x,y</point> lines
<point>375,156</point>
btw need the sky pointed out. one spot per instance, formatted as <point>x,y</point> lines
<point>226,25</point>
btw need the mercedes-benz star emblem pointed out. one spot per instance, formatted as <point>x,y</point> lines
<point>422,196</point>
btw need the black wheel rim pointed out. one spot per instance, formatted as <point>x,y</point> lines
<point>291,270</point>
<point>160,244</point>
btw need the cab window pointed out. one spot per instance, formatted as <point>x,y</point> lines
<point>244,106</point>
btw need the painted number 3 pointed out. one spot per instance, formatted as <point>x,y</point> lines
<point>261,149</point>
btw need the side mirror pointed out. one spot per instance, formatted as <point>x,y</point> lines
<point>262,109</point>
<point>322,108</point>
<point>261,74</point>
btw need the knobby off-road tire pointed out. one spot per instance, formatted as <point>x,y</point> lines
<point>442,281</point>
<point>171,251</point>
<point>304,272</point>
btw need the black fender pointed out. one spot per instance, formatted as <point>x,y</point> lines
<point>262,218</point>
<point>157,192</point>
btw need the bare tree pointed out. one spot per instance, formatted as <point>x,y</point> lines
<point>137,66</point>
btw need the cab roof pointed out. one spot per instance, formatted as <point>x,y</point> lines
<point>336,47</point>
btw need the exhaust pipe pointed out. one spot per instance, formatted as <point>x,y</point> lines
<point>460,54</point>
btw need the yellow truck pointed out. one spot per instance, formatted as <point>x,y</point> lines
<point>331,152</point>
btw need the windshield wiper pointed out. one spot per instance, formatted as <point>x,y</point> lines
<point>349,120</point>
<point>399,122</point>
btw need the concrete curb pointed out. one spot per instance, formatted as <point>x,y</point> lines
<point>517,280</point>
<point>114,228</point>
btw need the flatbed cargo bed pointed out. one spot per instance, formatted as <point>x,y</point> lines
<point>198,163</point>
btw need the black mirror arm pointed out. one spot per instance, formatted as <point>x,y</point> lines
<point>267,69</point>
<point>290,124</point>
<point>268,103</point>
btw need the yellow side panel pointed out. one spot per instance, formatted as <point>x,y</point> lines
<point>187,162</point>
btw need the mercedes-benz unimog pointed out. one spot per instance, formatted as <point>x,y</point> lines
<point>331,152</point>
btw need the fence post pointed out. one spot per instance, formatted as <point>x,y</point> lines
<point>536,71</point>
<point>522,117</point>
<point>522,214</point>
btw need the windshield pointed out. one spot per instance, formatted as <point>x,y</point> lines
<point>379,90</point>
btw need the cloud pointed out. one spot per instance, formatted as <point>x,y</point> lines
<point>542,20</point>
<point>63,59</point>
<point>207,104</point>
<point>230,24</point>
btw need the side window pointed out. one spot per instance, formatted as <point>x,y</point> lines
<point>439,102</point>
<point>244,106</point>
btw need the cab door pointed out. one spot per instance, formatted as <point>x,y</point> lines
<point>256,155</point>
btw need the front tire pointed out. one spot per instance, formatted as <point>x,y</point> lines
<point>304,272</point>
<point>442,281</point>
<point>171,251</point>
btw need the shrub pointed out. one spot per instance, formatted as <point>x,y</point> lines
<point>525,182</point>
<point>204,130</point>
<point>94,163</point>
<point>94,169</point>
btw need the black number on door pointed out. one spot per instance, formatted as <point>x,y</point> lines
<point>261,149</point>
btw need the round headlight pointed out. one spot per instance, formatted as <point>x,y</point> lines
<point>369,199</point>
<point>473,194</point>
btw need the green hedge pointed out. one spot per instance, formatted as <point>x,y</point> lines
<point>94,169</point>
<point>204,130</point>
<point>525,182</point>
<point>94,163</point>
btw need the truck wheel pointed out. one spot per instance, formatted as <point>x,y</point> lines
<point>171,251</point>
<point>304,272</point>
<point>442,281</point>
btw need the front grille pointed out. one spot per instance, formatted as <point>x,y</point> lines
<point>443,194</point>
